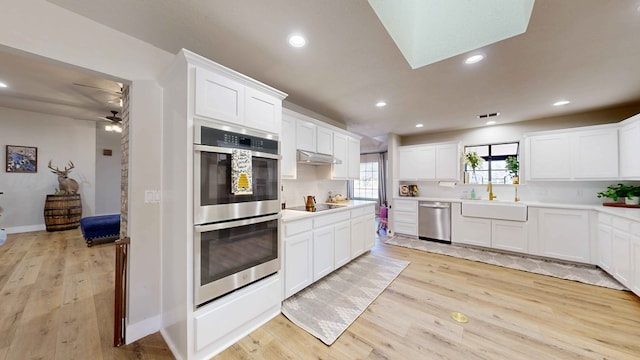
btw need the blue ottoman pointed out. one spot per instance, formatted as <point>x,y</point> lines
<point>100,227</point>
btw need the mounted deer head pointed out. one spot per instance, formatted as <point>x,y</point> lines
<point>67,185</point>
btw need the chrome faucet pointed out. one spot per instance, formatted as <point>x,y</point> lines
<point>490,190</point>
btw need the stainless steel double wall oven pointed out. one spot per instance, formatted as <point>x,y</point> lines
<point>236,236</point>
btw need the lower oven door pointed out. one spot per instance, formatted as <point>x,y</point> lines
<point>232,254</point>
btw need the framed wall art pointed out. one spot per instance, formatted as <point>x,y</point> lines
<point>22,159</point>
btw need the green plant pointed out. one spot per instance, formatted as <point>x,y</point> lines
<point>513,165</point>
<point>473,159</point>
<point>620,191</point>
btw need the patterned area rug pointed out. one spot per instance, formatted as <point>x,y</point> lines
<point>327,308</point>
<point>585,274</point>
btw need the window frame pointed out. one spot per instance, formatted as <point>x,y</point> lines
<point>489,159</point>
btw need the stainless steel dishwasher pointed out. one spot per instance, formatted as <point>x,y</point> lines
<point>434,221</point>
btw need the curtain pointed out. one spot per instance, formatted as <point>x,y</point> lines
<point>382,178</point>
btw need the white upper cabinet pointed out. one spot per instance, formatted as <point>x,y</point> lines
<point>324,140</point>
<point>585,154</point>
<point>288,147</point>
<point>548,157</point>
<point>629,144</point>
<point>448,161</point>
<point>341,152</point>
<point>262,111</point>
<point>306,136</point>
<point>353,158</point>
<point>221,98</point>
<point>429,162</point>
<point>594,154</point>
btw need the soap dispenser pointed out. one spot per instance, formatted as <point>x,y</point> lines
<point>473,194</point>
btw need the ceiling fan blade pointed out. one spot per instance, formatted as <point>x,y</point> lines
<point>99,88</point>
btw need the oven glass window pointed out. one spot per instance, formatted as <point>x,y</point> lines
<point>215,180</point>
<point>228,251</point>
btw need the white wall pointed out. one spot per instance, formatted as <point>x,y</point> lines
<point>45,30</point>
<point>312,180</point>
<point>58,139</point>
<point>107,171</point>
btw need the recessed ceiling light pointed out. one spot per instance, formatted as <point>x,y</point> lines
<point>381,104</point>
<point>474,59</point>
<point>491,122</point>
<point>561,102</point>
<point>297,40</point>
<point>419,125</point>
<point>3,85</point>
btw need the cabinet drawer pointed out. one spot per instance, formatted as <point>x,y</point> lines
<point>605,219</point>
<point>405,217</point>
<point>406,228</point>
<point>406,205</point>
<point>621,224</point>
<point>362,211</point>
<point>331,219</point>
<point>296,227</point>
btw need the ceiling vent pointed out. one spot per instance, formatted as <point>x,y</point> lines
<point>484,116</point>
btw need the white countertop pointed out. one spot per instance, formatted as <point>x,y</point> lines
<point>629,213</point>
<point>290,215</point>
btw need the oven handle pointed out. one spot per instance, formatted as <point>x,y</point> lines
<point>221,150</point>
<point>237,223</point>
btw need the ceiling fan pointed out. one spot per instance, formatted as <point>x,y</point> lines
<point>113,118</point>
<point>117,100</point>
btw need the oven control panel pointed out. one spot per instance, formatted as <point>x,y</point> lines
<point>222,138</point>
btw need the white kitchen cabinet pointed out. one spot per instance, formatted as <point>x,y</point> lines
<point>405,217</point>
<point>564,234</point>
<point>509,235</point>
<point>298,262</point>
<point>357,238</point>
<point>218,97</point>
<point>621,256</point>
<point>305,136</point>
<point>353,158</point>
<point>362,230</point>
<point>605,248</point>
<point>474,231</point>
<point>589,153</point>
<point>629,147</point>
<point>548,157</point>
<point>369,231</point>
<point>429,162</point>
<point>324,140</point>
<point>448,162</point>
<point>341,152</point>
<point>221,98</point>
<point>342,243</point>
<point>635,258</point>
<point>289,166</point>
<point>594,154</point>
<point>322,252</point>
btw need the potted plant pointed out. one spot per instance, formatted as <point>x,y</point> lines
<point>513,166</point>
<point>474,161</point>
<point>630,193</point>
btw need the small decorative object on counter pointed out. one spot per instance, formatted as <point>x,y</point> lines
<point>630,194</point>
<point>473,194</point>
<point>413,190</point>
<point>404,190</point>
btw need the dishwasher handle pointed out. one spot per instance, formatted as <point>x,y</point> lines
<point>435,206</point>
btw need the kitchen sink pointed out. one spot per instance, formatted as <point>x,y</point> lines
<point>494,209</point>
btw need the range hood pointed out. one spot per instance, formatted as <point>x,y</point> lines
<point>312,158</point>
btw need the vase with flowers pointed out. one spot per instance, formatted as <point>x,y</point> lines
<point>474,161</point>
<point>513,167</point>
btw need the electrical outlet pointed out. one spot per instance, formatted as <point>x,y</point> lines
<point>579,193</point>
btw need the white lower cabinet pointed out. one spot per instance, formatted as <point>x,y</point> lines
<point>621,255</point>
<point>316,246</point>
<point>474,231</point>
<point>619,249</point>
<point>405,217</point>
<point>509,235</point>
<point>564,234</point>
<point>604,248</point>
<point>322,252</point>
<point>635,259</point>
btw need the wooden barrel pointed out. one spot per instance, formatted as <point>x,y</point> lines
<point>62,212</point>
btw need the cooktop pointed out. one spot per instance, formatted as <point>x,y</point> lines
<point>318,207</point>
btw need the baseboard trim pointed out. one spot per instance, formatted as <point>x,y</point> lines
<point>24,229</point>
<point>142,328</point>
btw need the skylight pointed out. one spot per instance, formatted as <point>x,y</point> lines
<point>427,31</point>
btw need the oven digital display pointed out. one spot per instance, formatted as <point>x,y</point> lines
<point>228,139</point>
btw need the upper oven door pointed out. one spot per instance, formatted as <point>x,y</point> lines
<point>213,198</point>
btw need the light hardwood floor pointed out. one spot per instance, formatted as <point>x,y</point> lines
<point>57,303</point>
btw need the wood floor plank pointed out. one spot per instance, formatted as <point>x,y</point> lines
<point>59,303</point>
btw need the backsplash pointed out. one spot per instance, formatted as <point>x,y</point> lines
<point>566,192</point>
<point>311,180</point>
